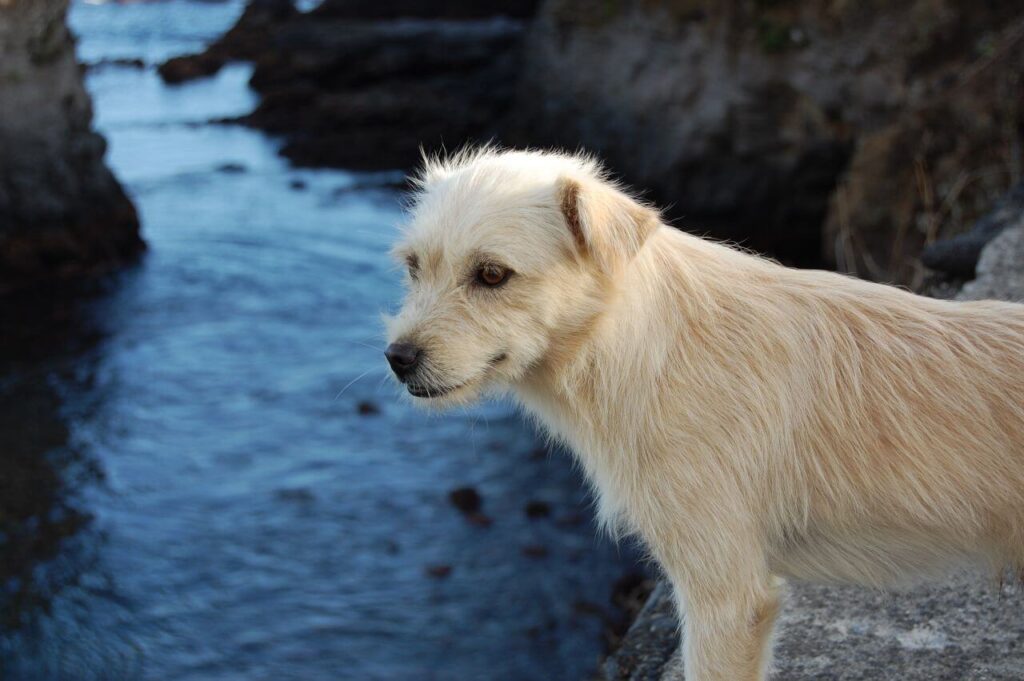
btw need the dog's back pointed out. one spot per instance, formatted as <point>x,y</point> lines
<point>891,426</point>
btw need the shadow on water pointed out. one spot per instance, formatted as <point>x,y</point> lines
<point>52,339</point>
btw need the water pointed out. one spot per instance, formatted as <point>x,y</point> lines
<point>189,488</point>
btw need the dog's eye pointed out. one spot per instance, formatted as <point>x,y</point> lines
<point>413,264</point>
<point>492,275</point>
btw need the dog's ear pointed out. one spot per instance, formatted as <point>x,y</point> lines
<point>607,225</point>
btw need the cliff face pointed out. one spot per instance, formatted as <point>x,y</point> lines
<point>843,132</point>
<point>364,84</point>
<point>61,210</point>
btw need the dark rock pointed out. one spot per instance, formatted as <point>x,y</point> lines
<point>62,213</point>
<point>122,62</point>
<point>417,9</point>
<point>298,185</point>
<point>364,84</point>
<point>369,95</point>
<point>466,499</point>
<point>822,134</point>
<point>649,644</point>
<point>540,453</point>
<point>232,168</point>
<point>958,255</point>
<point>535,551</point>
<point>181,69</point>
<point>572,519</point>
<point>537,509</point>
<point>1001,267</point>
<point>367,408</point>
<point>439,571</point>
<point>251,36</point>
<point>479,519</point>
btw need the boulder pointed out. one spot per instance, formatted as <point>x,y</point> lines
<point>62,212</point>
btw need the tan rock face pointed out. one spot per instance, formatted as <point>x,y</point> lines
<point>847,133</point>
<point>61,210</point>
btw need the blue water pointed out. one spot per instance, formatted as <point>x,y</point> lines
<point>205,499</point>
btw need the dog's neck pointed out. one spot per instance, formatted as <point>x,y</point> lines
<point>613,369</point>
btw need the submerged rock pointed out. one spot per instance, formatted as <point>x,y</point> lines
<point>62,212</point>
<point>466,499</point>
<point>439,571</point>
<point>537,509</point>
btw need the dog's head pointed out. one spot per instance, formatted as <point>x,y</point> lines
<point>510,258</point>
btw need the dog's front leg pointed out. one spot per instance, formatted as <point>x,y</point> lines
<point>727,625</point>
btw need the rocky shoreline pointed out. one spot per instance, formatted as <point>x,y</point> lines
<point>365,85</point>
<point>62,212</point>
<point>845,136</point>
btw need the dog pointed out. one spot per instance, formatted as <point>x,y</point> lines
<point>749,421</point>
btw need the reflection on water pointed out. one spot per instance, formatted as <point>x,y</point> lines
<point>38,472</point>
<point>190,491</point>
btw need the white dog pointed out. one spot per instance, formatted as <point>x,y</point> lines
<point>749,421</point>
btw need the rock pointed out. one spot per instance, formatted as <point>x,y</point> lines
<point>364,85</point>
<point>466,499</point>
<point>123,62</point>
<point>824,134</point>
<point>966,629</point>
<point>1001,267</point>
<point>539,453</point>
<point>479,519</point>
<point>298,185</point>
<point>417,9</point>
<point>535,551</point>
<point>650,643</point>
<point>251,36</point>
<point>62,213</point>
<point>572,519</point>
<point>821,133</point>
<point>232,168</point>
<point>439,571</point>
<point>181,69</point>
<point>367,408</point>
<point>368,95</point>
<point>958,256</point>
<point>537,509</point>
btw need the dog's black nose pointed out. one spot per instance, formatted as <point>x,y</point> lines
<point>403,358</point>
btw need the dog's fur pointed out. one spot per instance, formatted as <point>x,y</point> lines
<point>749,421</point>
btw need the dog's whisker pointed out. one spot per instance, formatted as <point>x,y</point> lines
<point>379,348</point>
<point>350,384</point>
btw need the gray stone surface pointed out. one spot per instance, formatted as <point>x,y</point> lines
<point>958,256</point>
<point>1000,268</point>
<point>61,210</point>
<point>967,628</point>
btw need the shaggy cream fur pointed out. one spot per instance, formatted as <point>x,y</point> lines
<point>749,421</point>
